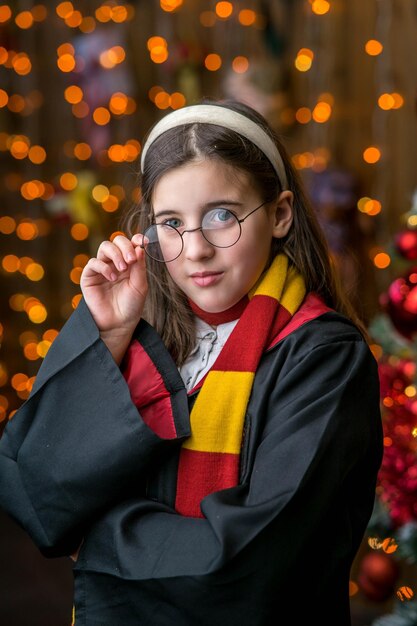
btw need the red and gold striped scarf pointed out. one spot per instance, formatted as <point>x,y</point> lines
<point>209,459</point>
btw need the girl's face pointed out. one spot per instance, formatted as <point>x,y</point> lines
<point>217,278</point>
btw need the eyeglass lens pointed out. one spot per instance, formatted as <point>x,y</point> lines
<point>220,227</point>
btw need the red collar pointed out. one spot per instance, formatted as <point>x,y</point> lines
<point>214,319</point>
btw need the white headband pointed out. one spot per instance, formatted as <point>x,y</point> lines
<point>221,116</point>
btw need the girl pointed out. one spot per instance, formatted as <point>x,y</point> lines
<point>216,462</point>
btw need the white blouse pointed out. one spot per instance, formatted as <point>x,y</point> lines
<point>210,341</point>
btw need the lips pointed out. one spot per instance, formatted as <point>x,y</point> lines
<point>206,279</point>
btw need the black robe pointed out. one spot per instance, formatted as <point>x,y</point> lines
<point>78,463</point>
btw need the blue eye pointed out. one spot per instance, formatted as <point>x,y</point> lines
<point>172,221</point>
<point>219,217</point>
<point>223,215</point>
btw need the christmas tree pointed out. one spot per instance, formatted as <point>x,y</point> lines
<point>390,567</point>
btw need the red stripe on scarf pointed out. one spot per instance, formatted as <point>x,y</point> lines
<point>242,350</point>
<point>200,474</point>
<point>282,319</point>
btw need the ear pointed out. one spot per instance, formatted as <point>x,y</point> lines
<point>283,214</point>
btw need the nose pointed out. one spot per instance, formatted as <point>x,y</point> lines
<point>196,246</point>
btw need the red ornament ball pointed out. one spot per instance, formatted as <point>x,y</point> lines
<point>378,575</point>
<point>406,244</point>
<point>400,302</point>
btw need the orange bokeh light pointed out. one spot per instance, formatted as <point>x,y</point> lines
<point>224,9</point>
<point>19,147</point>
<point>320,7</point>
<point>303,115</point>
<point>371,155</point>
<point>75,275</point>
<point>213,62</point>
<point>4,98</point>
<point>162,100</point>
<point>101,116</point>
<point>322,112</point>
<point>16,103</point>
<point>103,13</point>
<point>177,100</point>
<point>111,204</point>
<point>37,154</point>
<point>30,351</point>
<point>7,225</point>
<point>82,151</point>
<point>5,13</point>
<point>247,17</point>
<point>26,231</point>
<point>66,63</point>
<point>170,5</point>
<point>24,20</point>
<point>10,263</point>
<point>116,153</point>
<point>73,94</point>
<point>50,334</point>
<point>80,260</point>
<point>119,14</point>
<point>64,9</point>
<point>19,381</point>
<point>240,64</point>
<point>74,19</point>
<point>118,103</point>
<point>382,260</point>
<point>76,300</point>
<point>79,231</point>
<point>80,110</point>
<point>21,64</point>
<point>68,181</point>
<point>65,48</point>
<point>39,12</point>
<point>159,54</point>
<point>373,47</point>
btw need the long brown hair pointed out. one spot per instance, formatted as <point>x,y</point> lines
<point>167,308</point>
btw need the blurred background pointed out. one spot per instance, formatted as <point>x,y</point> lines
<point>80,85</point>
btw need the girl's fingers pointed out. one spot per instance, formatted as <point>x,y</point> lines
<point>109,252</point>
<point>96,266</point>
<point>120,251</point>
<point>126,247</point>
<point>114,257</point>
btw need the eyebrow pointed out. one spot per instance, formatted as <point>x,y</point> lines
<point>207,206</point>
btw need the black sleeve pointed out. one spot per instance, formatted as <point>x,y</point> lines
<point>78,445</point>
<point>323,430</point>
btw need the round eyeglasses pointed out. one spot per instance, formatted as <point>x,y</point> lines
<point>220,227</point>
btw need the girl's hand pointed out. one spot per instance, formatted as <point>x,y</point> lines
<point>114,287</point>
